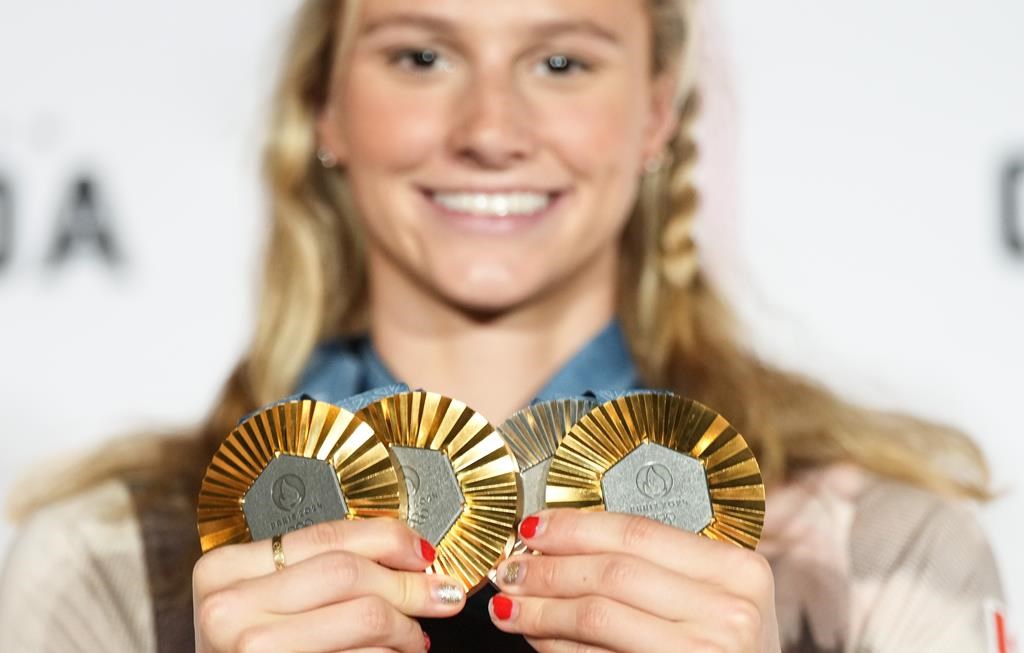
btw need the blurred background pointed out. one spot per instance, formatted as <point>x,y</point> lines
<point>863,169</point>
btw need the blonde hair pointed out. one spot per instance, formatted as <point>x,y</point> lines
<point>682,334</point>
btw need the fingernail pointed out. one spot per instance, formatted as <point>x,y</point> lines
<point>502,607</point>
<point>530,526</point>
<point>426,641</point>
<point>513,572</point>
<point>427,551</point>
<point>448,594</point>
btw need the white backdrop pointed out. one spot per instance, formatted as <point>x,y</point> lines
<point>852,164</point>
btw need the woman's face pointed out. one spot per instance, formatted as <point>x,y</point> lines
<point>494,148</point>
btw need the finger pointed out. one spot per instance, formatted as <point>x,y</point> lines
<point>368,622</point>
<point>567,531</point>
<point>593,620</point>
<point>387,541</point>
<point>339,576</point>
<point>563,646</point>
<point>627,579</point>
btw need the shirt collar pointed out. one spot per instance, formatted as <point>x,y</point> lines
<point>603,366</point>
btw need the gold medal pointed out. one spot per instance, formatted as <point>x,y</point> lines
<point>461,479</point>
<point>664,457</point>
<point>293,465</point>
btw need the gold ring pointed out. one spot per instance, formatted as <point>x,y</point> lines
<point>275,543</point>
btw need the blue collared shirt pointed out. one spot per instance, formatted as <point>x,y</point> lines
<point>340,370</point>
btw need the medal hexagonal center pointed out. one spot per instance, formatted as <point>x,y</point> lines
<point>291,493</point>
<point>657,482</point>
<point>435,498</point>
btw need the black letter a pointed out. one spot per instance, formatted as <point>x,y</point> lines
<point>1013,206</point>
<point>80,222</point>
<point>6,224</point>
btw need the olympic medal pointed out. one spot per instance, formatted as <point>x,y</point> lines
<point>664,457</point>
<point>533,434</point>
<point>461,479</point>
<point>293,465</point>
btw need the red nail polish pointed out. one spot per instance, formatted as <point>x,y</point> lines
<point>427,551</point>
<point>502,606</point>
<point>426,641</point>
<point>528,528</point>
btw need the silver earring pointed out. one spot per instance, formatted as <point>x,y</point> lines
<point>327,159</point>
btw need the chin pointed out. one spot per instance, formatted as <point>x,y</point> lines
<point>489,292</point>
<point>490,283</point>
<point>482,277</point>
<point>486,300</point>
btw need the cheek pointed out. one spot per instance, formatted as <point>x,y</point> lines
<point>593,139</point>
<point>592,134</point>
<point>388,127</point>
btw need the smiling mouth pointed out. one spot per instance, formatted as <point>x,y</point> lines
<point>493,204</point>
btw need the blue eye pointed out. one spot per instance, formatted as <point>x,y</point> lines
<point>416,59</point>
<point>559,64</point>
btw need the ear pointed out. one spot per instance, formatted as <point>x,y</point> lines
<point>663,119</point>
<point>329,133</point>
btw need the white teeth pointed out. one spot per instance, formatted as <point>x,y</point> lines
<point>499,204</point>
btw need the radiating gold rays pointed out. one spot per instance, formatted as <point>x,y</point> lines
<point>308,429</point>
<point>357,448</point>
<point>484,467</point>
<point>611,431</point>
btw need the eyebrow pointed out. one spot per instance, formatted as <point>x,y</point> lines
<point>587,26</point>
<point>438,24</point>
<point>408,20</point>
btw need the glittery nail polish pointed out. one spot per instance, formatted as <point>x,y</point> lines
<point>448,594</point>
<point>513,572</point>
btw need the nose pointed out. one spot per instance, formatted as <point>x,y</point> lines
<point>492,123</point>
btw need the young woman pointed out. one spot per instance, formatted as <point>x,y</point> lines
<point>492,200</point>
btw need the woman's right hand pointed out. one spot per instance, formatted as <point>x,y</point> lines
<point>347,586</point>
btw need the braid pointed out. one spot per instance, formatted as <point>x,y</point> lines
<point>659,252</point>
<point>678,250</point>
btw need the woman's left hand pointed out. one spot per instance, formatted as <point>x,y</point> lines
<point>614,582</point>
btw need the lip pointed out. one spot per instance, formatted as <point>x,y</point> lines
<point>490,224</point>
<point>491,189</point>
